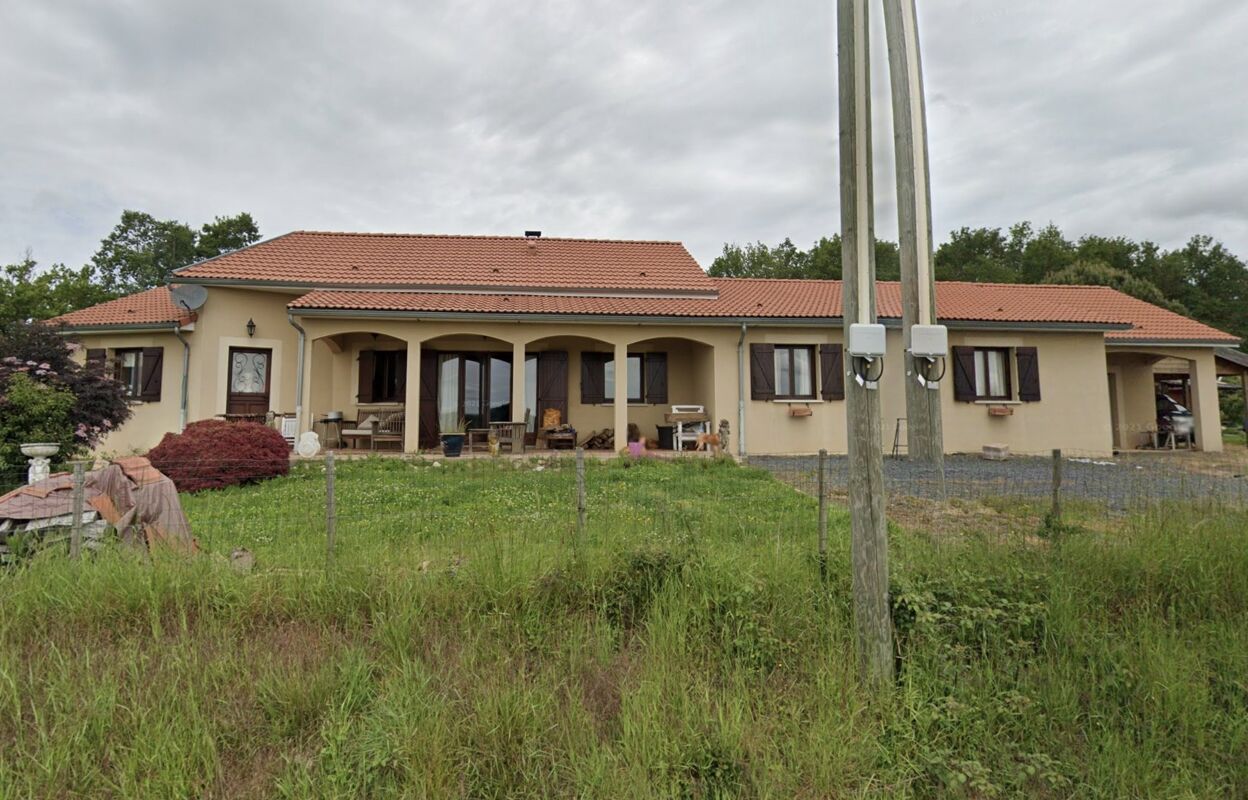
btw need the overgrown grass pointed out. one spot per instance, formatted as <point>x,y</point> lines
<point>467,643</point>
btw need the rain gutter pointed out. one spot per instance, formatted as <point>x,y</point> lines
<point>186,373</point>
<point>303,343</point>
<point>741,392</point>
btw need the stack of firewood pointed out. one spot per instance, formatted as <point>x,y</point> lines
<point>600,440</point>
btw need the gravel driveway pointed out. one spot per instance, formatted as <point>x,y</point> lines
<point>1120,485</point>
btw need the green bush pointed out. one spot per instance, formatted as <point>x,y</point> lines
<point>33,412</point>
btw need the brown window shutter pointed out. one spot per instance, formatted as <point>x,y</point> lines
<point>400,375</point>
<point>964,374</point>
<point>762,372</point>
<point>832,369</point>
<point>656,378</point>
<point>368,368</point>
<point>428,411</point>
<point>594,378</point>
<point>97,358</point>
<point>153,370</point>
<point>1028,374</point>
<point>552,384</point>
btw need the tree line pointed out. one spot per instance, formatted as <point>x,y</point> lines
<point>1202,279</point>
<point>139,253</point>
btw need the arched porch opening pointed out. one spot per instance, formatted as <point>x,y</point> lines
<point>467,380</point>
<point>671,389</point>
<point>1163,397</point>
<point>354,375</point>
<point>563,390</point>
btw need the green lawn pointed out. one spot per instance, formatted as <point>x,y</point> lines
<point>468,643</point>
<point>1233,437</point>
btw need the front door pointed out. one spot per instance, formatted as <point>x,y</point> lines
<point>248,390</point>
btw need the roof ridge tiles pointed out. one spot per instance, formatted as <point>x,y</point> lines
<point>483,236</point>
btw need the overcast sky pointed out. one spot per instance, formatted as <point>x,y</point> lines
<point>705,121</point>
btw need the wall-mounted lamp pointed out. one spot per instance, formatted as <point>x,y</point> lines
<point>251,328</point>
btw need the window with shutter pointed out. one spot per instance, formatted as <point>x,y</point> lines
<point>636,378</point>
<point>128,370</point>
<point>97,358</point>
<point>795,372</point>
<point>986,374</point>
<point>992,374</point>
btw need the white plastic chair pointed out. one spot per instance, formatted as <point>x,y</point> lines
<point>290,428</point>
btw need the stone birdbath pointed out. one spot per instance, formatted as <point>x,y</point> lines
<point>40,454</point>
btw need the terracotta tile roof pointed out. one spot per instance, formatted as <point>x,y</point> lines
<point>798,299</point>
<point>307,258</point>
<point>152,307</point>
<point>1151,323</point>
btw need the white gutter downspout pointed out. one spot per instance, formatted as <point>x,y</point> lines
<point>186,372</point>
<point>303,341</point>
<point>741,392</point>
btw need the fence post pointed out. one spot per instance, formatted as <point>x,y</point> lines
<point>823,515</point>
<point>580,491</point>
<point>331,512</point>
<point>1056,513</point>
<point>75,532</point>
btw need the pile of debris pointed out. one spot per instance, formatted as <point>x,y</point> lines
<point>605,438</point>
<point>128,495</point>
<point>600,440</point>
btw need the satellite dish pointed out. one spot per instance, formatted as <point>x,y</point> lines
<point>189,296</point>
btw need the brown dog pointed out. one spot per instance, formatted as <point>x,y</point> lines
<point>708,441</point>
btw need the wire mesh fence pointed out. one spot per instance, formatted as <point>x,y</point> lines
<point>432,514</point>
<point>1085,486</point>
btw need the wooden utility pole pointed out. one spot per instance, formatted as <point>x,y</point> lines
<point>924,433</point>
<point>869,547</point>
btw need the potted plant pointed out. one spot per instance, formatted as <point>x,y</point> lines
<point>453,438</point>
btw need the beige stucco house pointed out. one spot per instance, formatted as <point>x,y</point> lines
<point>427,330</point>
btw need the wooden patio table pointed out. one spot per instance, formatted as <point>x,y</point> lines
<point>687,416</point>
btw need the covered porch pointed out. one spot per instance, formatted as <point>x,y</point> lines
<point>1150,388</point>
<point>419,380</point>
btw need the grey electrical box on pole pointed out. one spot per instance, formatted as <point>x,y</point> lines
<point>869,547</point>
<point>924,432</point>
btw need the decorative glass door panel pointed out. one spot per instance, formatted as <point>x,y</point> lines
<point>249,372</point>
<point>248,391</point>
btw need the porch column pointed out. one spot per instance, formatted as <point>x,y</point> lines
<point>517,382</point>
<point>621,397</point>
<point>1203,374</point>
<point>411,400</point>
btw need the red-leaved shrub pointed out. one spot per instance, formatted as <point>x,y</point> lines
<point>213,453</point>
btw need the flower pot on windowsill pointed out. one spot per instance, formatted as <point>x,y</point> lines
<point>801,411</point>
<point>452,444</point>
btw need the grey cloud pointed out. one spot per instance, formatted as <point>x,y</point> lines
<point>704,121</point>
